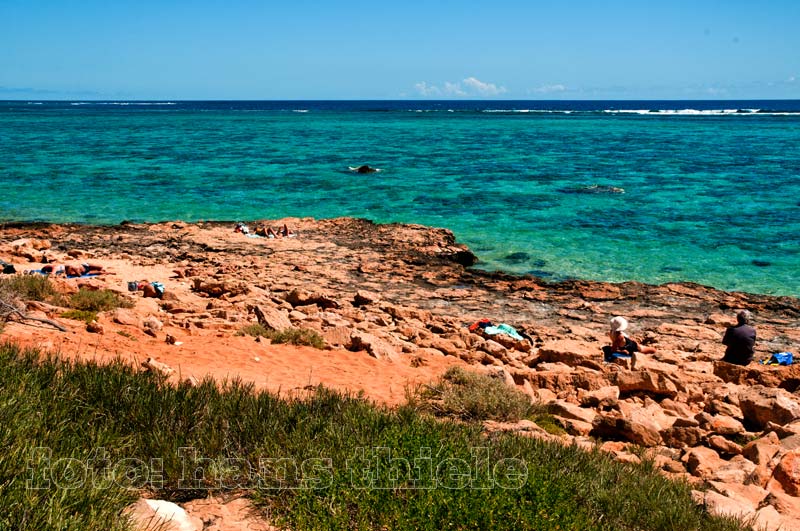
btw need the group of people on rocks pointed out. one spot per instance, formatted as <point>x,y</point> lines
<point>740,341</point>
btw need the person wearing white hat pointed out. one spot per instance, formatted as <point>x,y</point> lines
<point>621,344</point>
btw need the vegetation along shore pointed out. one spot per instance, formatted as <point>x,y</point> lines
<point>330,378</point>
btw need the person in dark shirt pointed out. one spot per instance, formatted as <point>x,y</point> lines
<point>740,340</point>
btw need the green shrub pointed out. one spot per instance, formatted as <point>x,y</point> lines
<point>298,336</point>
<point>98,300</point>
<point>255,330</point>
<point>29,287</point>
<point>547,422</point>
<point>292,336</point>
<point>468,395</point>
<point>80,315</point>
<point>377,468</point>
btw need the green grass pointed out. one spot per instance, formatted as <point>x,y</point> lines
<point>80,315</point>
<point>299,336</point>
<point>469,395</point>
<point>123,333</point>
<point>292,336</point>
<point>40,288</point>
<point>547,422</point>
<point>29,287</point>
<point>97,300</point>
<point>255,330</point>
<point>326,462</point>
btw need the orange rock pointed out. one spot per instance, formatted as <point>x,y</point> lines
<point>787,473</point>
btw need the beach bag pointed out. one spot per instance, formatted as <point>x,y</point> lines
<point>781,358</point>
<point>483,323</point>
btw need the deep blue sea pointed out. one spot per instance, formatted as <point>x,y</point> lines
<point>655,191</point>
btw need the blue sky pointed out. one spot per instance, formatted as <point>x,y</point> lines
<point>298,49</point>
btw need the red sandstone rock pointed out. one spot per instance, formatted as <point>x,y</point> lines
<point>682,436</point>
<point>571,411</point>
<point>769,519</point>
<point>375,346</point>
<point>761,405</point>
<point>125,317</point>
<point>272,318</point>
<point>644,382</point>
<point>638,431</point>
<point>723,445</point>
<point>95,328</point>
<point>754,374</point>
<point>720,505</point>
<point>157,366</point>
<point>572,353</point>
<point>721,424</point>
<point>607,396</point>
<point>787,473</point>
<point>761,451</point>
<point>749,496</point>
<point>702,461</point>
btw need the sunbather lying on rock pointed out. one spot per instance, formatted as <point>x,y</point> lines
<point>267,232</point>
<point>72,270</point>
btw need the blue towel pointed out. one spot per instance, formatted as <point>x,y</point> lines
<point>616,355</point>
<point>503,328</point>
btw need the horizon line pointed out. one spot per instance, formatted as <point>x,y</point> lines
<point>164,100</point>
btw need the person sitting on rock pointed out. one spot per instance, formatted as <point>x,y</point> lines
<point>622,345</point>
<point>740,340</point>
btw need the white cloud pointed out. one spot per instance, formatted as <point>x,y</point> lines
<point>468,87</point>
<point>427,90</point>
<point>716,91</point>
<point>550,89</point>
<point>484,89</point>
<point>453,89</point>
<point>791,79</point>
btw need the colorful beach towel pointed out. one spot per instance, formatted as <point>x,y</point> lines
<point>91,274</point>
<point>503,328</point>
<point>60,271</point>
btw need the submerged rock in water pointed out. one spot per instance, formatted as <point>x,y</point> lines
<point>516,258</point>
<point>594,189</point>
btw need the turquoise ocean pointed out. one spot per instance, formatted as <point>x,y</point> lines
<point>701,191</point>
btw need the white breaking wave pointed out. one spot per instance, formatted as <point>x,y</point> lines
<point>123,103</point>
<point>688,112</point>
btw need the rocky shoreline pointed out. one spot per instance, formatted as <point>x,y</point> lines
<point>398,299</point>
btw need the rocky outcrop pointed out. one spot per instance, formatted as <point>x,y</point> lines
<point>761,405</point>
<point>404,293</point>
